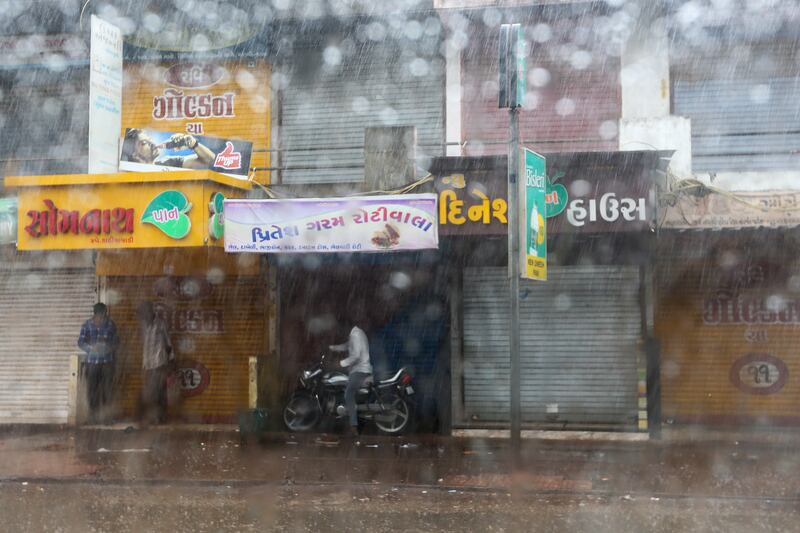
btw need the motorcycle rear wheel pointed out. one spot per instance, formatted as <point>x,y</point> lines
<point>397,406</point>
<point>302,413</point>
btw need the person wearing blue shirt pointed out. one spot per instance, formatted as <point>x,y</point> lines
<point>99,339</point>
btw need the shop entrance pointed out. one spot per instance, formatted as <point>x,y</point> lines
<point>400,302</point>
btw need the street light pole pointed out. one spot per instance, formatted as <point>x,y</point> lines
<point>514,274</point>
<point>511,95</point>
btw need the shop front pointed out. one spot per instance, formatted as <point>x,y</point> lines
<point>728,309</point>
<point>582,330</point>
<point>149,237</point>
<point>339,264</point>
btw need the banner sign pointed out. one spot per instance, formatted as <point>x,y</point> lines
<point>740,209</point>
<point>586,192</point>
<point>533,187</point>
<point>150,151</point>
<point>366,224</point>
<point>105,96</point>
<point>213,98</point>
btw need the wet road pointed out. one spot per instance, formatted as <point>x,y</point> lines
<point>90,480</point>
<point>86,506</point>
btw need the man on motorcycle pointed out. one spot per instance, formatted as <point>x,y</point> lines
<point>359,369</point>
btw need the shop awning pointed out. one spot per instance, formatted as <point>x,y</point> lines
<point>698,207</point>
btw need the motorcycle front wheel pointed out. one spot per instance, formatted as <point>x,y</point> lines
<point>395,418</point>
<point>302,412</point>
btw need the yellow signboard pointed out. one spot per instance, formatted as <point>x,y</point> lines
<point>114,211</point>
<point>225,99</point>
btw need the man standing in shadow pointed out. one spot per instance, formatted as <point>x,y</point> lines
<point>157,362</point>
<point>99,339</point>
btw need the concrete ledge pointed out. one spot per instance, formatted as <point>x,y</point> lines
<point>192,428</point>
<point>552,435</point>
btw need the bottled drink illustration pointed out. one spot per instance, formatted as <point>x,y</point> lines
<point>534,234</point>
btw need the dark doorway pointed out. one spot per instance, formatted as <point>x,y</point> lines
<point>400,302</point>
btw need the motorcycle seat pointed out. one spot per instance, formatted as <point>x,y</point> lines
<point>392,379</point>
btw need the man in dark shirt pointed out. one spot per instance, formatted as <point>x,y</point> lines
<point>98,338</point>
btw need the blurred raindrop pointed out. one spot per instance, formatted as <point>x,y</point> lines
<point>332,56</point>
<point>565,106</point>
<point>215,275</point>
<point>541,33</point>
<point>33,281</point>
<point>608,129</point>
<point>413,30</point>
<point>389,116</point>
<point>400,280</point>
<point>671,369</point>
<point>52,107</point>
<point>776,302</point>
<point>258,104</point>
<point>246,80</point>
<point>531,100</point>
<point>312,261</point>
<point>200,42</point>
<point>580,188</point>
<point>113,297</point>
<point>152,22</point>
<point>187,345</point>
<point>562,302</point>
<point>376,31</point>
<point>318,325</point>
<point>419,67</point>
<point>760,94</point>
<point>433,311</point>
<point>280,81</point>
<point>492,17</point>
<point>489,89</point>
<point>432,26</point>
<point>689,13</point>
<point>539,77</point>
<point>56,260</point>
<point>360,105</point>
<point>580,59</point>
<point>728,259</point>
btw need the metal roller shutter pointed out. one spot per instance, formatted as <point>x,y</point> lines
<point>580,338</point>
<point>223,350</point>
<point>42,106</point>
<point>324,114</point>
<point>714,320</point>
<point>41,312</point>
<point>741,124</point>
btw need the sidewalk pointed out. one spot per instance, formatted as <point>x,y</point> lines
<point>214,455</point>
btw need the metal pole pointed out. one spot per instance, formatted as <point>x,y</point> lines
<point>513,272</point>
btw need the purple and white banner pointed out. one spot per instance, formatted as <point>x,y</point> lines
<point>329,225</point>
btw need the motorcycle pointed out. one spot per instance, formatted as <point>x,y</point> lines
<point>320,397</point>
